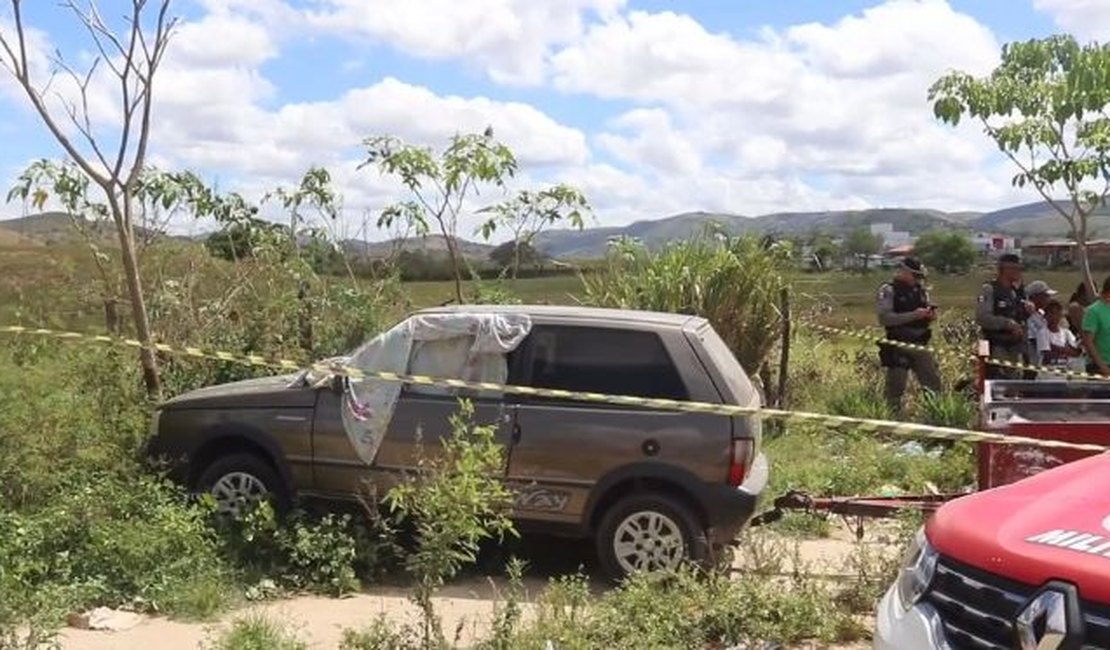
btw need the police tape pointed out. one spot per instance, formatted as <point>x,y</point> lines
<point>954,354</point>
<point>905,429</point>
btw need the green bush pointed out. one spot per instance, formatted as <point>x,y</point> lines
<point>305,553</point>
<point>257,633</point>
<point>108,541</point>
<point>685,610</point>
<point>733,282</point>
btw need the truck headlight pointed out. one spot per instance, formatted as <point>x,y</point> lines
<point>918,567</point>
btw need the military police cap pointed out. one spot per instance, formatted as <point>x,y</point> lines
<point>913,265</point>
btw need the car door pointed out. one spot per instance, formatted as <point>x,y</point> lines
<point>421,420</point>
<point>563,447</point>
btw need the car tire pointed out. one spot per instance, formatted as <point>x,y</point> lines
<point>237,480</point>
<point>643,532</point>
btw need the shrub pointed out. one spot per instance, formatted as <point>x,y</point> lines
<point>319,554</point>
<point>733,282</point>
<point>380,635</point>
<point>454,500</point>
<point>685,609</point>
<point>257,633</point>
<point>107,541</point>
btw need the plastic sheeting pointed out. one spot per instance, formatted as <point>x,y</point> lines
<point>469,346</point>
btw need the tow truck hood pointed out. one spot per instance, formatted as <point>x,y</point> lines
<point>264,392</point>
<point>1053,526</point>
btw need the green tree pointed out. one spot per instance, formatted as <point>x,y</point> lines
<point>439,183</point>
<point>512,255</point>
<point>529,213</point>
<point>1046,106</point>
<point>945,251</point>
<point>114,159</point>
<point>824,251</point>
<point>860,245</point>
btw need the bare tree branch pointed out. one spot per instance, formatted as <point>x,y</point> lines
<point>84,123</point>
<point>25,82</point>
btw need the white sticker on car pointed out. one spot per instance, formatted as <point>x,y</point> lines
<point>1073,540</point>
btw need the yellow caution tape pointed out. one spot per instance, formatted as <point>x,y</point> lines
<point>909,429</point>
<point>863,336</point>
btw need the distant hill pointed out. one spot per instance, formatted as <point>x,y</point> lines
<point>1033,220</point>
<point>1037,219</point>
<point>57,228</point>
<point>593,242</point>
<point>431,244</point>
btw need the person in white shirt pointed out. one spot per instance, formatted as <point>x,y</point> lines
<point>1038,294</point>
<point>1057,346</point>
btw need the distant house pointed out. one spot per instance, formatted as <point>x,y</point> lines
<point>899,251</point>
<point>994,245</point>
<point>1062,253</point>
<point>891,237</point>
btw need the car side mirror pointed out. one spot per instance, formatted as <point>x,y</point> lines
<point>338,384</point>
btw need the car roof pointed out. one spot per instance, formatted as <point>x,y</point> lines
<point>573,313</point>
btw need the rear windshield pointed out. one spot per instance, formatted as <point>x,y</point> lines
<point>736,380</point>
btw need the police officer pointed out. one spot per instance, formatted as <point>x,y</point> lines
<point>904,310</point>
<point>1001,313</point>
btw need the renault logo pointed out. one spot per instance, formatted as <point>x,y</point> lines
<point>1050,620</point>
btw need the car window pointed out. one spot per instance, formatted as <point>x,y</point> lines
<point>451,358</point>
<point>602,360</point>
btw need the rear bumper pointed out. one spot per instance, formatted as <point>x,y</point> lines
<point>728,508</point>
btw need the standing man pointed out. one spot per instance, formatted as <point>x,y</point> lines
<point>1096,332</point>
<point>1036,327</point>
<point>904,310</point>
<point>1001,313</point>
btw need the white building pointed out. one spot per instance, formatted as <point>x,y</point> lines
<point>991,244</point>
<point>891,238</point>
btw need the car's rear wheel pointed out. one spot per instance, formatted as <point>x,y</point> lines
<point>242,481</point>
<point>648,533</point>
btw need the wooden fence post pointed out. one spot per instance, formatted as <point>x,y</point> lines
<point>784,354</point>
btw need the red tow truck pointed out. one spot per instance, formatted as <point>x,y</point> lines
<point>1025,561</point>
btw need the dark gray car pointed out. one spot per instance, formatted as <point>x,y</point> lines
<point>651,487</point>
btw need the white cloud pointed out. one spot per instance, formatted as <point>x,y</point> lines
<point>655,147</point>
<point>508,39</point>
<point>808,117</point>
<point>1087,19</point>
<point>826,105</point>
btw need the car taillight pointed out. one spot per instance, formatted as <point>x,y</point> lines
<point>740,461</point>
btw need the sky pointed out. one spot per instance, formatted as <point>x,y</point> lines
<point>651,108</point>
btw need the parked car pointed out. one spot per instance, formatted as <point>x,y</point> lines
<point>650,486</point>
<point>1025,565</point>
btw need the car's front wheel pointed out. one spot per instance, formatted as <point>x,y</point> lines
<point>648,533</point>
<point>241,481</point>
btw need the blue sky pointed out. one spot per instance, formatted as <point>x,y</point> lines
<point>651,107</point>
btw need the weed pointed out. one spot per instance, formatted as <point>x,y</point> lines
<point>256,632</point>
<point>319,554</point>
<point>507,614</point>
<point>380,635</point>
<point>104,541</point>
<point>947,410</point>
<point>454,500</point>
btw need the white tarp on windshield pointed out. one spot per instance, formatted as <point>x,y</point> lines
<point>469,346</point>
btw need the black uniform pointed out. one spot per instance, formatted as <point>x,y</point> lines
<point>1000,307</point>
<point>897,302</point>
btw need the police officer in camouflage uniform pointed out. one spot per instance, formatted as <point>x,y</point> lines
<point>906,313</point>
<point>1001,312</point>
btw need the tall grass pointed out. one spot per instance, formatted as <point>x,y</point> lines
<point>733,282</point>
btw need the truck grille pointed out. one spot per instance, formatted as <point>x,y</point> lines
<point>978,609</point>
